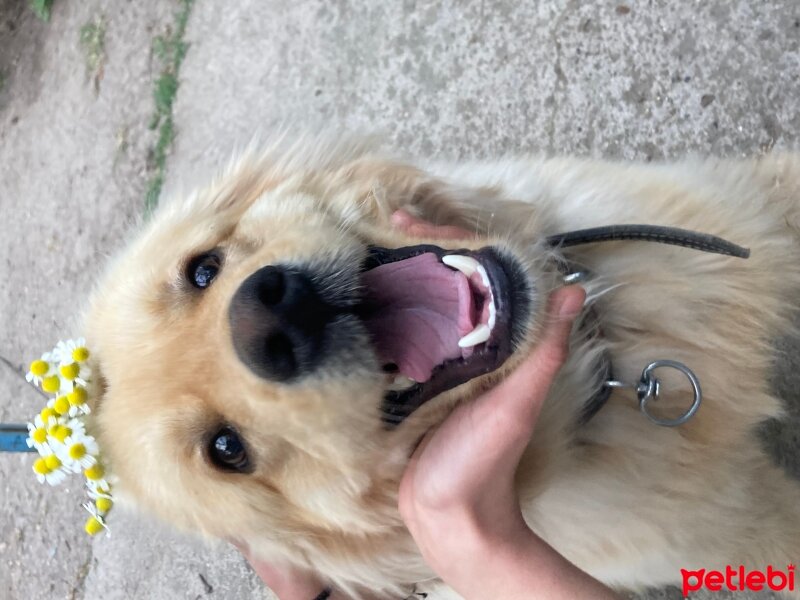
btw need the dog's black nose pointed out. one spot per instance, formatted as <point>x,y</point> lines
<point>277,321</point>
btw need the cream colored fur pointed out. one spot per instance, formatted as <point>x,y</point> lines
<point>629,502</point>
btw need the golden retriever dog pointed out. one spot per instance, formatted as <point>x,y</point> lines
<point>271,349</point>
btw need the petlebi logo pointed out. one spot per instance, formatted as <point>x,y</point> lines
<point>738,579</point>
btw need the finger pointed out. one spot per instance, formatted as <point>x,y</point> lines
<point>287,582</point>
<point>416,227</point>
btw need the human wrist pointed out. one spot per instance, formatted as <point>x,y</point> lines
<point>466,546</point>
<point>494,563</point>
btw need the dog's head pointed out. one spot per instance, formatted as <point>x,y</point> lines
<point>271,349</point>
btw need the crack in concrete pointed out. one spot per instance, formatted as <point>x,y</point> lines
<point>83,573</point>
<point>20,374</point>
<point>561,78</point>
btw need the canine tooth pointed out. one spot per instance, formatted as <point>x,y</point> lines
<point>492,314</point>
<point>465,264</point>
<point>401,382</point>
<point>484,277</point>
<point>477,336</point>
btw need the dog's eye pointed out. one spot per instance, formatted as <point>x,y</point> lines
<point>203,269</point>
<point>227,451</point>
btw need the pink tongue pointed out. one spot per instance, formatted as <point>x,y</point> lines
<point>419,309</point>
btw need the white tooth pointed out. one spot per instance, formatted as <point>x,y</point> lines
<point>465,264</point>
<point>401,382</point>
<point>477,336</point>
<point>484,277</point>
<point>492,314</point>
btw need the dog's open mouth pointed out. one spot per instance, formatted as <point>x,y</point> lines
<point>439,318</point>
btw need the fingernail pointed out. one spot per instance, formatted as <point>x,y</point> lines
<point>569,305</point>
<point>398,217</point>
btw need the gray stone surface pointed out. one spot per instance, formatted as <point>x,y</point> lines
<point>636,80</point>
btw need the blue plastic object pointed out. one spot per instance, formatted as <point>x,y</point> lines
<point>12,438</point>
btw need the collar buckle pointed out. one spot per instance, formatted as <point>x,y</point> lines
<point>649,387</point>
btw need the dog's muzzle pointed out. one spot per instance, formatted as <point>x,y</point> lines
<point>277,322</point>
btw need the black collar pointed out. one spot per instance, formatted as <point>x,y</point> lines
<point>649,233</point>
<point>643,233</point>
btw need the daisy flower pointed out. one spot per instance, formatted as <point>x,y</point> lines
<point>74,373</point>
<point>96,491</point>
<point>37,434</point>
<point>49,468</point>
<point>47,414</point>
<point>84,376</point>
<point>60,429</point>
<point>78,452</point>
<point>95,523</point>
<point>71,351</point>
<point>95,474</point>
<point>40,369</point>
<point>77,401</point>
<point>51,384</point>
<point>60,405</point>
<point>103,499</point>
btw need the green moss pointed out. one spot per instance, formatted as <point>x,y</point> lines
<point>93,42</point>
<point>164,94</point>
<point>42,8</point>
<point>170,50</point>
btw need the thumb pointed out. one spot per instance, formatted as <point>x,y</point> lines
<point>416,227</point>
<point>520,396</point>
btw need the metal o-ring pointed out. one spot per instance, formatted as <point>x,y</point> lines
<point>649,390</point>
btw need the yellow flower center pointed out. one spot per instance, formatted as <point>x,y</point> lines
<point>46,413</point>
<point>39,435</point>
<point>40,466</point>
<point>77,451</point>
<point>39,368</point>
<point>51,384</point>
<point>93,526</point>
<point>80,354</point>
<point>77,396</point>
<point>70,371</point>
<point>61,405</point>
<point>94,472</point>
<point>104,504</point>
<point>60,432</point>
<point>52,462</point>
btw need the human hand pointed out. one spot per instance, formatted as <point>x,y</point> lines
<point>464,470</point>
<point>459,484</point>
<point>457,496</point>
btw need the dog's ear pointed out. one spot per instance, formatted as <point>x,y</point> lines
<point>382,187</point>
<point>234,190</point>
